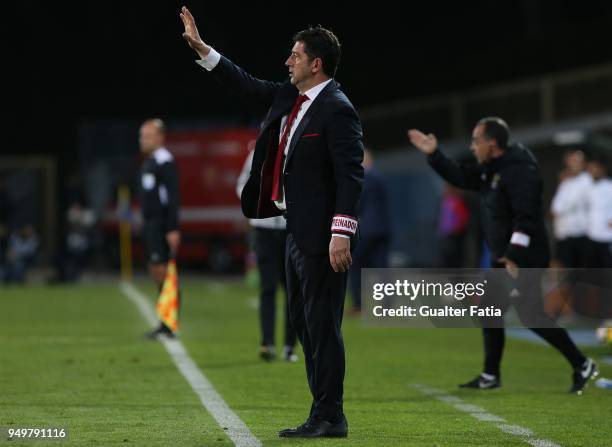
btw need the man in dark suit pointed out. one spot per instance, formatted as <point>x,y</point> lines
<point>307,167</point>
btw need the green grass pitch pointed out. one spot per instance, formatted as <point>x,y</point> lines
<point>75,357</point>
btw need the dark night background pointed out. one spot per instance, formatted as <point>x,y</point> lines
<point>127,60</point>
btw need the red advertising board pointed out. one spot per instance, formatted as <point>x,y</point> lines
<point>211,222</point>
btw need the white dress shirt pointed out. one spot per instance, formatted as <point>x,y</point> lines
<point>600,211</point>
<point>570,206</point>
<point>311,94</point>
<point>271,223</point>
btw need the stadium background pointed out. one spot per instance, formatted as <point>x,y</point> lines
<point>78,80</point>
<point>81,79</point>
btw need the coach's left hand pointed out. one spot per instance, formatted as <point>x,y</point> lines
<point>340,253</point>
<point>511,267</point>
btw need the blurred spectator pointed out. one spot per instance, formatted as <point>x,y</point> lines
<point>76,243</point>
<point>4,214</point>
<point>569,209</point>
<point>270,245</point>
<point>453,225</point>
<point>372,249</point>
<point>22,247</point>
<point>599,228</point>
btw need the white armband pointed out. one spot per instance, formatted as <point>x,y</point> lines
<point>342,224</point>
<point>520,239</point>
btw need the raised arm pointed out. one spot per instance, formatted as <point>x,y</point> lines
<point>192,36</point>
<point>461,175</point>
<point>254,91</point>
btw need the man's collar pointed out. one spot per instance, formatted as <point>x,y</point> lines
<point>313,92</point>
<point>161,155</point>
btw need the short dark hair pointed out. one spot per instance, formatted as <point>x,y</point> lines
<point>496,129</point>
<point>322,43</point>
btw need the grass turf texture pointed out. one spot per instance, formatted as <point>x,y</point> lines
<point>74,357</point>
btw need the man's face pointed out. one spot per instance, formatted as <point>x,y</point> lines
<point>300,65</point>
<point>151,138</point>
<point>596,169</point>
<point>481,146</point>
<point>575,162</point>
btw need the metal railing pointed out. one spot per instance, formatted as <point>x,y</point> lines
<point>530,102</point>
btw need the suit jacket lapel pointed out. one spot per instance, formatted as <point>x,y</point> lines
<point>308,116</point>
<point>281,107</point>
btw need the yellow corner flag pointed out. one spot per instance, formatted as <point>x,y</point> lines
<point>168,301</point>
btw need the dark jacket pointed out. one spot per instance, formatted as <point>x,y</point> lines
<point>511,203</point>
<point>374,219</point>
<point>160,189</point>
<point>323,173</point>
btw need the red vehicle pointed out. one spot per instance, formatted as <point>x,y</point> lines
<point>211,221</point>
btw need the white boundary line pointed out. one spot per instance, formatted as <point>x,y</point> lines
<point>483,415</point>
<point>232,425</point>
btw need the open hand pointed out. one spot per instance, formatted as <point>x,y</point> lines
<point>425,143</point>
<point>191,34</point>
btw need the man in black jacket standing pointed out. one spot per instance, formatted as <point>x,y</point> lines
<point>508,179</point>
<point>307,167</point>
<point>160,205</point>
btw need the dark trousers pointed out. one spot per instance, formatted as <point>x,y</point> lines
<point>571,251</point>
<point>598,254</point>
<point>597,299</point>
<point>529,306</point>
<point>452,247</point>
<point>370,252</point>
<point>270,251</point>
<point>316,301</point>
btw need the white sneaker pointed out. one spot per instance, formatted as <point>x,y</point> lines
<point>289,355</point>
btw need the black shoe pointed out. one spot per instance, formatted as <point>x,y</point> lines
<point>267,353</point>
<point>317,428</point>
<point>290,432</point>
<point>581,376</point>
<point>482,383</point>
<point>161,331</point>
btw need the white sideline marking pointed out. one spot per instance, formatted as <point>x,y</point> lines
<point>483,415</point>
<point>515,430</point>
<point>541,443</point>
<point>232,425</point>
<point>487,417</point>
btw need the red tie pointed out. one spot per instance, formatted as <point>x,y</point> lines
<point>278,163</point>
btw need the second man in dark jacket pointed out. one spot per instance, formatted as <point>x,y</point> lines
<point>508,180</point>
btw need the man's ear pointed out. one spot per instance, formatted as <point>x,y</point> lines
<point>317,65</point>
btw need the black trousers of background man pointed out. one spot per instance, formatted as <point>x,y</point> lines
<point>371,252</point>
<point>270,251</point>
<point>530,308</point>
<point>598,254</point>
<point>316,300</point>
<point>572,252</point>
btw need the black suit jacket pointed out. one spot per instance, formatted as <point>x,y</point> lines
<point>511,202</point>
<point>323,173</point>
